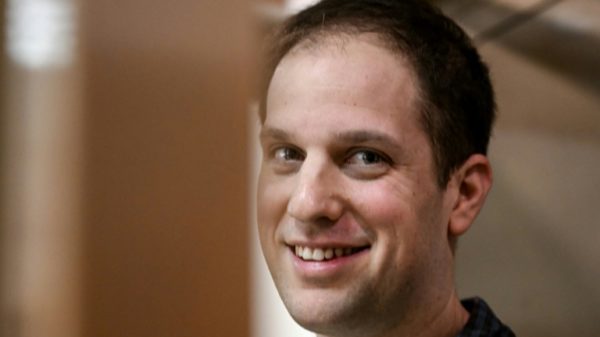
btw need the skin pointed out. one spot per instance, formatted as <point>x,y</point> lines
<point>346,164</point>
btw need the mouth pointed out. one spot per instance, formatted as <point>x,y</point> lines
<point>325,253</point>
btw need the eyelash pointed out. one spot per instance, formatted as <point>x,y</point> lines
<point>380,158</point>
<point>287,154</point>
<point>275,153</point>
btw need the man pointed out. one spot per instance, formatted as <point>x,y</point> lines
<point>376,118</point>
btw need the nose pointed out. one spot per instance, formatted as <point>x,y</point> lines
<point>317,195</point>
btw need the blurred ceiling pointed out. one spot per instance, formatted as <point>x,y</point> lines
<point>562,35</point>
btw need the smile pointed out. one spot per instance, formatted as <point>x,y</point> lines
<point>320,254</point>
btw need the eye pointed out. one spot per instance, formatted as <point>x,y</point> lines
<point>284,154</point>
<point>367,164</point>
<point>286,159</point>
<point>366,157</point>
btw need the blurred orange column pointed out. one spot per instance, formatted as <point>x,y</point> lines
<point>165,178</point>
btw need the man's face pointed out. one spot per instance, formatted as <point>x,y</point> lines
<point>351,221</point>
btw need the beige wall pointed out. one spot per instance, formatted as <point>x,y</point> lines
<point>533,253</point>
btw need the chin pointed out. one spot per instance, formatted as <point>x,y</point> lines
<point>325,324</point>
<point>332,325</point>
<point>325,311</point>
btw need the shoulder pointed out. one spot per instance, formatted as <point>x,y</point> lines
<point>482,321</point>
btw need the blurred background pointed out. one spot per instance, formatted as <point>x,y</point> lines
<point>128,158</point>
<point>124,195</point>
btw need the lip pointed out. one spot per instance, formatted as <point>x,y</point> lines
<point>327,242</point>
<point>328,269</point>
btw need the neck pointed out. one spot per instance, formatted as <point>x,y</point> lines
<point>446,321</point>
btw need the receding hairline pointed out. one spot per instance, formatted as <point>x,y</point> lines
<point>340,35</point>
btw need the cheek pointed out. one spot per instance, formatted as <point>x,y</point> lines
<point>382,204</point>
<point>398,218</point>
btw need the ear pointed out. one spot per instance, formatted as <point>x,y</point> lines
<point>473,181</point>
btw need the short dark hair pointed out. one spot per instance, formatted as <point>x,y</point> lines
<point>456,96</point>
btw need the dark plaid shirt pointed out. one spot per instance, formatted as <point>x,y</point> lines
<point>482,321</point>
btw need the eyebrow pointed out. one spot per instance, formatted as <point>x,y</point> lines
<point>365,136</point>
<point>351,136</point>
<point>274,133</point>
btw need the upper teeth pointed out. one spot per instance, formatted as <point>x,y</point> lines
<point>320,254</point>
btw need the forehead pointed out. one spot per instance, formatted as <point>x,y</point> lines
<point>353,70</point>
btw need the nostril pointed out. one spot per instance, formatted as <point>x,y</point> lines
<point>323,212</point>
<point>324,221</point>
